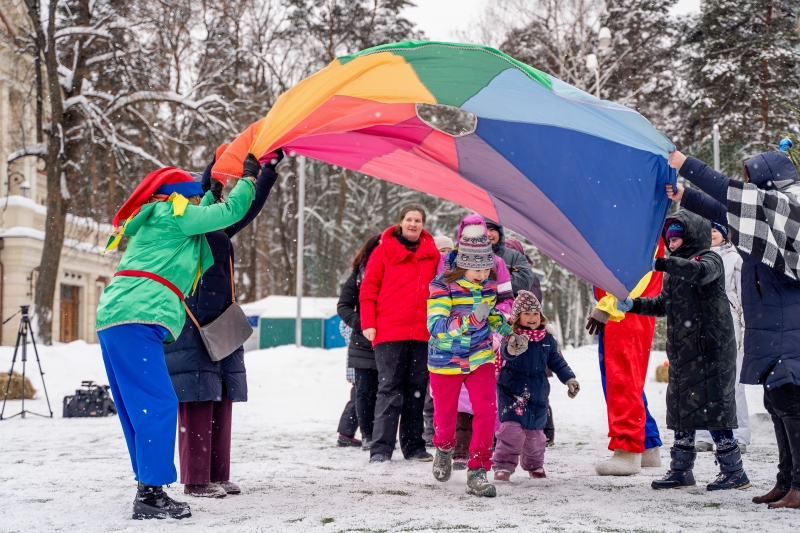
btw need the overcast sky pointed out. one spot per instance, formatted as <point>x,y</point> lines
<point>441,19</point>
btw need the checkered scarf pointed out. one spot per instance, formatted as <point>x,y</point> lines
<point>766,223</point>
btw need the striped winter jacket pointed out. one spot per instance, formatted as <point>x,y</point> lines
<point>459,344</point>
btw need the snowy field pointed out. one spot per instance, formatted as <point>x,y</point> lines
<point>74,475</point>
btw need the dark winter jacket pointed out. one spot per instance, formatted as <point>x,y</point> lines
<point>701,345</point>
<point>770,299</point>
<point>394,292</point>
<point>195,377</point>
<point>523,388</point>
<point>522,277</point>
<point>359,353</point>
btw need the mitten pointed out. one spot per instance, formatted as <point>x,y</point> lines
<point>251,167</point>
<point>625,305</point>
<point>573,388</point>
<point>517,344</point>
<point>273,163</point>
<point>481,312</point>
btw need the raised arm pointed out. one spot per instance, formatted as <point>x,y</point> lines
<point>708,180</point>
<point>266,180</point>
<point>197,220</point>
<point>701,271</point>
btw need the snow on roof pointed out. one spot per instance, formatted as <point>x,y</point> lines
<point>28,203</point>
<point>37,234</point>
<point>286,307</point>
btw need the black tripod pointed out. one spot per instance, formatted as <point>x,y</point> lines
<point>22,337</point>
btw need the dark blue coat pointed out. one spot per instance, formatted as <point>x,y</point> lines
<point>770,299</point>
<point>195,377</point>
<point>523,388</point>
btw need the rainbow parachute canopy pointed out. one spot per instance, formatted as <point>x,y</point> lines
<point>580,177</point>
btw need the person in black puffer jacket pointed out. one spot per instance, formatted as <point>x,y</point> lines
<point>701,348</point>
<point>206,388</point>
<point>360,356</point>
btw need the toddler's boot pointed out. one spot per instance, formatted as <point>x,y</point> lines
<point>539,473</point>
<point>443,464</point>
<point>731,474</point>
<point>623,463</point>
<point>502,475</point>
<point>152,502</point>
<point>478,485</point>
<point>680,473</point>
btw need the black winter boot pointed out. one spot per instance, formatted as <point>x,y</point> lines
<point>680,473</point>
<point>153,502</point>
<point>731,474</point>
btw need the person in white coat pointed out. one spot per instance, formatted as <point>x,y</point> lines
<point>733,287</point>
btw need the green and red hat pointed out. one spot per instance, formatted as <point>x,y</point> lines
<point>164,181</point>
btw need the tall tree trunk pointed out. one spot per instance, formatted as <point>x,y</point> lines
<point>765,82</point>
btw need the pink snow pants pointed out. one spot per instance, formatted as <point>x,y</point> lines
<point>445,389</point>
<point>512,441</point>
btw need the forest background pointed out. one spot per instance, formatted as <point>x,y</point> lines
<point>129,86</point>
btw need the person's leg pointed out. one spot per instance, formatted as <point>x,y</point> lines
<point>415,385</point>
<point>481,385</point>
<point>366,389</point>
<point>390,358</point>
<point>445,390</point>
<point>195,423</point>
<point>463,436</point>
<point>680,468</point>
<point>549,426</point>
<point>510,441</point>
<point>122,412</point>
<point>652,437</point>
<point>221,439</point>
<point>348,422</point>
<point>136,355</point>
<point>729,458</point>
<point>427,414</point>
<point>786,406</point>
<point>742,433</point>
<point>533,450</point>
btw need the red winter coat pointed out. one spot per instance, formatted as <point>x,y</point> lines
<point>394,292</point>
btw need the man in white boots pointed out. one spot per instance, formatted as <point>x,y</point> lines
<point>624,351</point>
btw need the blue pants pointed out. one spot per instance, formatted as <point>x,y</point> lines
<point>146,402</point>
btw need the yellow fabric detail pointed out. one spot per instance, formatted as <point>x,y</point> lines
<point>116,237</point>
<point>608,303</point>
<point>179,204</point>
<point>382,77</point>
<point>197,274</point>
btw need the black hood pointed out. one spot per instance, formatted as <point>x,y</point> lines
<point>491,224</point>
<point>696,234</point>
<point>771,170</point>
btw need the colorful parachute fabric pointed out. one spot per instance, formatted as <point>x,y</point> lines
<point>582,178</point>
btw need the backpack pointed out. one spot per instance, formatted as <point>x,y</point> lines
<point>91,401</point>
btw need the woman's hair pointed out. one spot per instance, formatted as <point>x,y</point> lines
<point>412,207</point>
<point>457,272</point>
<point>517,325</point>
<point>365,251</point>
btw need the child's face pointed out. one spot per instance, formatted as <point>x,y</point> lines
<point>675,243</point>
<point>444,250</point>
<point>716,237</point>
<point>530,319</point>
<point>477,276</point>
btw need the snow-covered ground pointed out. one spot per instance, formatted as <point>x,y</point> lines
<point>74,474</point>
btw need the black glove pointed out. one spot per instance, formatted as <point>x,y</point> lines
<point>251,167</point>
<point>205,181</point>
<point>272,164</point>
<point>594,326</point>
<point>216,189</point>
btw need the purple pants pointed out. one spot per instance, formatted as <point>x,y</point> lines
<point>204,441</point>
<point>512,441</point>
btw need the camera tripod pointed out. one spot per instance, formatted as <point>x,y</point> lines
<point>22,338</point>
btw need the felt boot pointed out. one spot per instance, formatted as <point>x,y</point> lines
<point>680,473</point>
<point>623,463</point>
<point>651,458</point>
<point>152,502</point>
<point>478,485</point>
<point>731,474</point>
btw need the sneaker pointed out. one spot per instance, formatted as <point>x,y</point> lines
<point>230,488</point>
<point>730,480</point>
<point>460,463</point>
<point>478,485</point>
<point>502,475</point>
<point>344,441</point>
<point>206,490</point>
<point>420,455</point>
<point>366,445</point>
<point>704,447</point>
<point>379,458</point>
<point>443,464</point>
<point>152,502</point>
<point>539,473</point>
<point>675,479</point>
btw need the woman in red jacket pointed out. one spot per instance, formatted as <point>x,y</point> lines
<point>393,300</point>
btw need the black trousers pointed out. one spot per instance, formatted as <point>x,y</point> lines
<point>427,414</point>
<point>549,428</point>
<point>366,393</point>
<point>402,383</point>
<point>783,405</point>
<point>348,423</point>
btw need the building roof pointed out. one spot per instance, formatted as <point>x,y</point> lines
<point>286,307</point>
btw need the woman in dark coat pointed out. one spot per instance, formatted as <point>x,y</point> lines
<point>360,356</point>
<point>701,348</point>
<point>205,388</point>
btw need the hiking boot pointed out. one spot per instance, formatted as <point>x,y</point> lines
<point>790,501</point>
<point>539,473</point>
<point>772,496</point>
<point>345,441</point>
<point>230,488</point>
<point>703,447</point>
<point>675,479</point>
<point>443,464</point>
<point>206,490</point>
<point>730,480</point>
<point>478,485</point>
<point>379,458</point>
<point>420,455</point>
<point>502,475</point>
<point>152,502</point>
<point>460,463</point>
<point>366,445</point>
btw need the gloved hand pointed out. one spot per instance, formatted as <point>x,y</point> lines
<point>251,167</point>
<point>517,344</point>
<point>594,326</point>
<point>573,388</point>
<point>481,312</point>
<point>273,163</point>
<point>216,189</point>
<point>626,305</point>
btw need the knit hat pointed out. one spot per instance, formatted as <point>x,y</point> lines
<point>474,249</point>
<point>526,301</point>
<point>720,228</point>
<point>675,230</point>
<point>443,241</point>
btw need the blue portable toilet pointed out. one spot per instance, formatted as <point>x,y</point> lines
<point>333,337</point>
